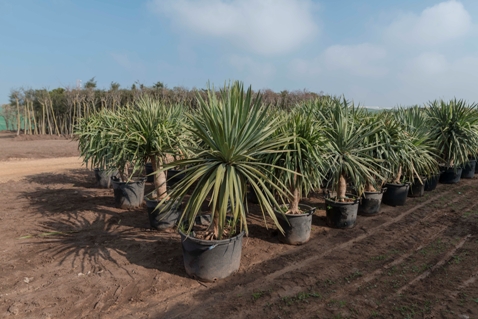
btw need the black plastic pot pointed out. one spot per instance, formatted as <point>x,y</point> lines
<point>174,176</point>
<point>210,260</point>
<point>148,167</point>
<point>296,226</point>
<point>416,188</point>
<point>128,194</point>
<point>431,182</point>
<point>396,194</point>
<point>450,176</point>
<point>159,219</point>
<point>103,178</point>
<point>469,169</point>
<point>369,204</point>
<point>341,215</point>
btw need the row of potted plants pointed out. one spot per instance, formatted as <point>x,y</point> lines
<point>233,145</point>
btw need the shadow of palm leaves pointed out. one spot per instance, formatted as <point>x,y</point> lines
<point>96,244</point>
<point>78,177</point>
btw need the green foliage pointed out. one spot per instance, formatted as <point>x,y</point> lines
<point>90,84</point>
<point>235,134</point>
<point>454,129</point>
<point>346,153</point>
<point>406,146</point>
<point>114,86</point>
<point>299,165</point>
<point>100,143</point>
<point>127,138</point>
<point>154,130</point>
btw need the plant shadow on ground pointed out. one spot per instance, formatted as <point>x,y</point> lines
<point>78,177</point>
<point>53,199</point>
<point>94,242</point>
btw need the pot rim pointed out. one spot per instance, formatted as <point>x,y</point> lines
<point>311,210</point>
<point>133,180</point>
<point>356,200</point>
<point>212,242</point>
<point>398,185</point>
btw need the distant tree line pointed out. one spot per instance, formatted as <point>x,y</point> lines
<point>57,111</point>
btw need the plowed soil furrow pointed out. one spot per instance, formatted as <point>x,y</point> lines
<point>468,282</point>
<point>423,236</point>
<point>411,232</point>
<point>440,263</point>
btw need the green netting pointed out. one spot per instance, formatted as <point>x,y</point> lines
<point>3,126</point>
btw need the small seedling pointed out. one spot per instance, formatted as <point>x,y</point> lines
<point>257,295</point>
<point>354,275</point>
<point>300,297</point>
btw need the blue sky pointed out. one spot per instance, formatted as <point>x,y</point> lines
<point>378,53</point>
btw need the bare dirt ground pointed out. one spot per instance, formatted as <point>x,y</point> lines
<point>68,253</point>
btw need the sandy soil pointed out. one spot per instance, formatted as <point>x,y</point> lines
<point>14,147</point>
<point>67,252</point>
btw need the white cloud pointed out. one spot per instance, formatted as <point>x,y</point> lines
<point>428,64</point>
<point>432,75</point>
<point>265,27</point>
<point>251,67</point>
<point>302,67</point>
<point>435,25</point>
<point>362,60</point>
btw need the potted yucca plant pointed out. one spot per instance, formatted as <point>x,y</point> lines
<point>299,166</point>
<point>156,132</point>
<point>454,129</point>
<point>408,152</point>
<point>414,120</point>
<point>92,144</point>
<point>234,134</point>
<point>101,145</point>
<point>348,158</point>
<point>372,191</point>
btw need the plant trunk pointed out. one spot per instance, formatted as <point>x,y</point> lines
<point>294,202</point>
<point>369,187</point>
<point>341,189</point>
<point>215,223</point>
<point>159,179</point>
<point>399,176</point>
<point>43,131</point>
<point>18,116</point>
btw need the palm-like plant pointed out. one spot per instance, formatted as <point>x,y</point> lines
<point>405,145</point>
<point>348,158</point>
<point>414,151</point>
<point>99,142</point>
<point>454,129</point>
<point>235,134</point>
<point>299,164</point>
<point>154,131</point>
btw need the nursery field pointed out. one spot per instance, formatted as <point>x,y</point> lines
<point>67,252</point>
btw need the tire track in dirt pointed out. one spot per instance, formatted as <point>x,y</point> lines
<point>395,262</point>
<point>266,280</point>
<point>431,234</point>
<point>423,235</point>
<point>464,284</point>
<point>440,263</point>
<point>16,170</point>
